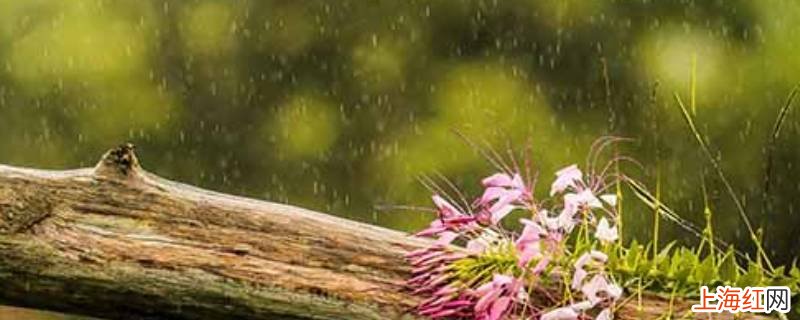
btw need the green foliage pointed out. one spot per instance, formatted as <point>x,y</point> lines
<point>479,269</point>
<point>679,271</point>
<point>683,270</point>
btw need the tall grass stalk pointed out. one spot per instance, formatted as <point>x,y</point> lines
<point>729,188</point>
<point>771,145</point>
<point>693,85</point>
<point>657,211</point>
<point>709,216</point>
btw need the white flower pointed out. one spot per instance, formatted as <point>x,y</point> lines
<point>570,312</point>
<point>609,198</point>
<point>565,178</point>
<point>566,219</point>
<point>578,277</point>
<point>583,198</point>
<point>606,233</point>
<point>592,289</point>
<point>580,273</point>
<point>550,223</point>
<point>564,313</point>
<point>592,255</point>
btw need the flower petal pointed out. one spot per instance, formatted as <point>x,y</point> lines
<point>500,213</point>
<point>541,265</point>
<point>531,233</point>
<point>486,300</point>
<point>605,232</point>
<point>491,194</point>
<point>583,198</point>
<point>565,178</point>
<point>528,253</point>
<point>476,246</point>
<point>499,308</point>
<point>578,277</point>
<point>609,198</point>
<point>586,257</point>
<point>446,210</point>
<point>563,313</point>
<point>446,238</point>
<point>501,280</point>
<point>497,180</point>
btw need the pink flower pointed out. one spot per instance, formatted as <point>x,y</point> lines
<point>532,232</point>
<point>490,194</point>
<point>446,294</point>
<point>430,278</point>
<point>541,265</point>
<point>446,210</point>
<point>605,233</point>
<point>500,210</point>
<point>450,218</point>
<point>497,180</point>
<point>495,298</point>
<point>445,238</point>
<point>498,204</point>
<point>503,194</point>
<point>527,244</point>
<point>566,178</point>
<point>499,308</point>
<point>444,307</point>
<point>505,181</point>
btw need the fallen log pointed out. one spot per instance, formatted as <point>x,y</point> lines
<point>118,242</point>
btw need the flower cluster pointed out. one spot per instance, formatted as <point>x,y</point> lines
<point>554,269</point>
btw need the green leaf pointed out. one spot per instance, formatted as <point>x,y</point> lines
<point>754,276</point>
<point>632,257</point>
<point>683,262</point>
<point>795,273</point>
<point>706,272</point>
<point>728,269</point>
<point>665,251</point>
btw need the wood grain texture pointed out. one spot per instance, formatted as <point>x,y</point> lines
<point>115,241</point>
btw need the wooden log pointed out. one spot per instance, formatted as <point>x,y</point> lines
<point>117,242</point>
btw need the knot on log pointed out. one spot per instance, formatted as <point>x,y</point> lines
<point>22,209</point>
<point>119,163</point>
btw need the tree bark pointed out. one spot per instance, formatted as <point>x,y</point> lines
<point>117,242</point>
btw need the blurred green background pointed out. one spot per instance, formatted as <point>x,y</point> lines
<point>340,105</point>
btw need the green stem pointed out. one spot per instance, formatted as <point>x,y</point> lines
<point>729,188</point>
<point>657,212</point>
